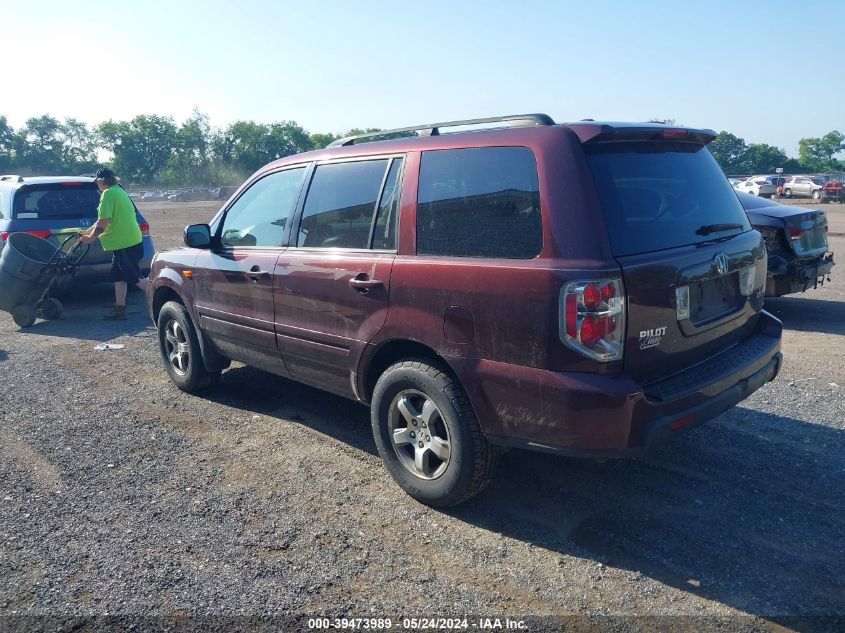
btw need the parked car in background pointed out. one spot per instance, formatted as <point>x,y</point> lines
<point>449,282</point>
<point>55,208</point>
<point>757,186</point>
<point>833,191</point>
<point>152,196</point>
<point>188,195</point>
<point>796,243</point>
<point>804,187</point>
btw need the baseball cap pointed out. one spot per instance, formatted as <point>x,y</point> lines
<point>104,172</point>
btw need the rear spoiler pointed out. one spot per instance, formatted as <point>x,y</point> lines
<point>589,132</point>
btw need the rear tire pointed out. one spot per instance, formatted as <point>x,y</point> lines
<point>24,316</point>
<point>180,350</point>
<point>428,436</point>
<point>787,193</point>
<point>50,309</point>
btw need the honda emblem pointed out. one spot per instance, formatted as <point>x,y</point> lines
<point>721,263</point>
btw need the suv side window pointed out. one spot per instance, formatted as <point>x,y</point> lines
<point>384,232</point>
<point>2,205</point>
<point>259,216</point>
<point>340,204</point>
<point>481,202</point>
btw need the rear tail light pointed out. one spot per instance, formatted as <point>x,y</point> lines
<point>795,233</point>
<point>753,278</point>
<point>145,229</point>
<point>592,319</point>
<point>674,133</point>
<point>45,233</point>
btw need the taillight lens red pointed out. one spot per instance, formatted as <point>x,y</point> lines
<point>592,296</point>
<point>593,317</point>
<point>44,233</point>
<point>795,233</point>
<point>145,228</point>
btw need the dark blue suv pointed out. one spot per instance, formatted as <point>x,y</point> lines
<point>56,207</point>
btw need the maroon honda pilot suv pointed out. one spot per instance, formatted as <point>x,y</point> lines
<point>585,289</point>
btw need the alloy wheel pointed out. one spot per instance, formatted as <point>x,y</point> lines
<point>176,347</point>
<point>419,434</point>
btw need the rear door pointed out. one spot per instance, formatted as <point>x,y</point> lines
<point>692,266</point>
<point>235,280</point>
<point>333,283</point>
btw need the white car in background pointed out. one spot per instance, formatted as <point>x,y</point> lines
<point>757,186</point>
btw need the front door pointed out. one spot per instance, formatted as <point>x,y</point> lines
<point>235,279</point>
<point>333,285</point>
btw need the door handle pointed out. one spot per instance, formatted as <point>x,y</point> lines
<point>362,283</point>
<point>255,273</point>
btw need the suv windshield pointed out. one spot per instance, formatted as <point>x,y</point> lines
<point>57,200</point>
<point>659,195</point>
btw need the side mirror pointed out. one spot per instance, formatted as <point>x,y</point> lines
<point>198,236</point>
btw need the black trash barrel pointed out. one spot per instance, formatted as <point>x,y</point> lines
<point>22,263</point>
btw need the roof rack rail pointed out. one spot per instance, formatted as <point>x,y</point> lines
<point>14,177</point>
<point>433,129</point>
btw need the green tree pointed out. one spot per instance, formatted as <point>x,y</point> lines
<point>730,152</point>
<point>40,146</point>
<point>191,162</point>
<point>80,147</point>
<point>763,159</point>
<point>245,145</point>
<point>142,147</point>
<point>7,145</point>
<point>817,154</point>
<point>319,140</point>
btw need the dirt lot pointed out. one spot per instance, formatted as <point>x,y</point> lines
<point>121,495</point>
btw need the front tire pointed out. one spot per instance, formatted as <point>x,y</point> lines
<point>787,193</point>
<point>428,436</point>
<point>817,194</point>
<point>180,349</point>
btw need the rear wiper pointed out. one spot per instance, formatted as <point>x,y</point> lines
<point>707,229</point>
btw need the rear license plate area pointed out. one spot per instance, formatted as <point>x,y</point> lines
<point>714,298</point>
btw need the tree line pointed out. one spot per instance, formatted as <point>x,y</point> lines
<point>815,155</point>
<point>155,150</point>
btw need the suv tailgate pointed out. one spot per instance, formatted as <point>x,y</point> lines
<point>692,266</point>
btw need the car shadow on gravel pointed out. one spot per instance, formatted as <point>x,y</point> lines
<point>804,314</point>
<point>260,392</point>
<point>746,511</point>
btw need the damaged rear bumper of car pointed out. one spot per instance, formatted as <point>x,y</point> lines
<point>798,275</point>
<point>612,416</point>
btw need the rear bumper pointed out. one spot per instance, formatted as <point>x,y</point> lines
<point>89,273</point>
<point>800,275</point>
<point>589,415</point>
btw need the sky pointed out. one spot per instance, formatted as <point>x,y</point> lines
<point>769,72</point>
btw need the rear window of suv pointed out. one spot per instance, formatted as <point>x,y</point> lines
<point>659,195</point>
<point>57,201</point>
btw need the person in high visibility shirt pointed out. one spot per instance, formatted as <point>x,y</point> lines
<point>118,231</point>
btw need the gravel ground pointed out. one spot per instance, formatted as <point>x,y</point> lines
<point>121,495</point>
